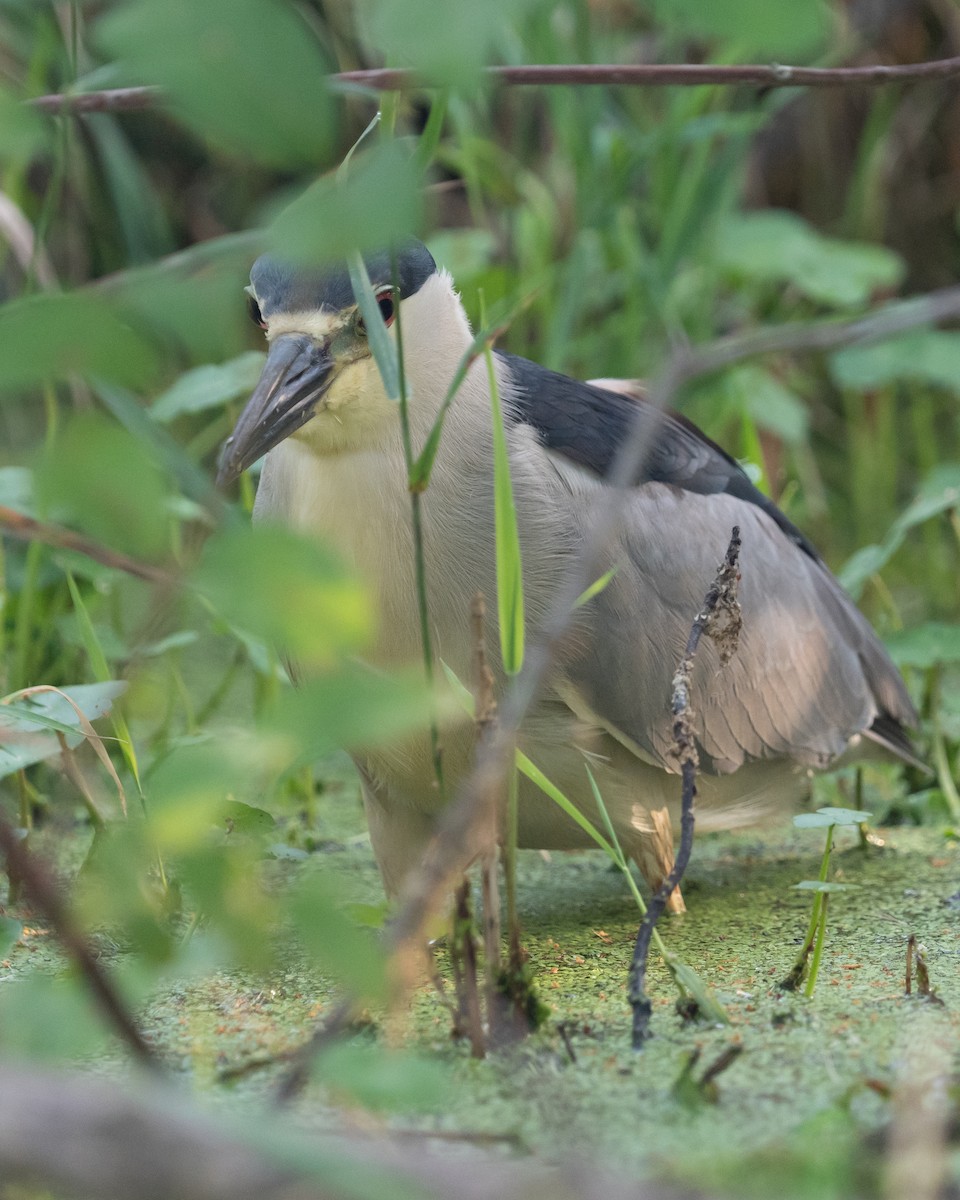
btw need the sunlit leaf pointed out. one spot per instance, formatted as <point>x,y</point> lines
<point>16,489</point>
<point>351,708</point>
<point>249,75</point>
<point>287,590</point>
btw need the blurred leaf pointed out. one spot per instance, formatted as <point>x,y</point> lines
<point>817,885</point>
<point>382,345</point>
<point>10,931</point>
<point>753,26</point>
<point>194,298</point>
<point>939,492</point>
<point>287,590</point>
<point>925,355</point>
<point>352,954</point>
<point>193,788</point>
<point>209,387</point>
<point>925,646</point>
<point>754,392</point>
<point>23,739</point>
<point>450,50</point>
<point>831,816</point>
<point>383,1079</point>
<point>24,132</point>
<point>49,337</point>
<point>249,75</point>
<point>49,1018</point>
<point>377,204</point>
<point>246,818</point>
<point>97,476</point>
<point>775,246</point>
<point>510,607</point>
<point>353,708</point>
<point>16,489</point>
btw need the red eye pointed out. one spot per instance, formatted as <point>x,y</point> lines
<point>385,304</point>
<point>256,316</point>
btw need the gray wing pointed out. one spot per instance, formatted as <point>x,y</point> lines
<point>809,673</point>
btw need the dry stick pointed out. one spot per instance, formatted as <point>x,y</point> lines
<point>463,824</point>
<point>719,619</point>
<point>27,529</point>
<point>463,959</point>
<point>769,75</point>
<point>42,892</point>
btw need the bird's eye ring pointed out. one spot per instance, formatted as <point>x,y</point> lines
<point>256,316</point>
<point>386,306</point>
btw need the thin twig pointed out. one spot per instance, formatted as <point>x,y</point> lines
<point>27,529</point>
<point>719,618</point>
<point>380,79</point>
<point>42,892</point>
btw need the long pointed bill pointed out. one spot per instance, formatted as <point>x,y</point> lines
<point>295,376</point>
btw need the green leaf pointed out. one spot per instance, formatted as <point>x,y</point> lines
<point>925,646</point>
<point>382,345</point>
<point>351,953</point>
<point>376,205</point>
<point>382,1079</point>
<point>16,489</point>
<point>831,816</point>
<point>754,27</point>
<point>96,475</point>
<point>350,708</point>
<point>510,611</point>
<point>939,492</point>
<point>288,591</point>
<point>249,75</point>
<point>47,1018</point>
<point>922,355</point>
<point>49,337</point>
<point>24,132</point>
<point>779,247</point>
<point>448,47</point>
<point>818,885</point>
<point>209,386</point>
<point>248,819</point>
<point>23,726</point>
<point>10,931</point>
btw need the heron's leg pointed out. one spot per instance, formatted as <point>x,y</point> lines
<point>398,833</point>
<point>654,857</point>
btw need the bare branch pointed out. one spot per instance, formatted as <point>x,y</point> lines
<point>27,529</point>
<point>386,79</point>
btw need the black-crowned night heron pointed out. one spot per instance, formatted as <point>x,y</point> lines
<point>808,683</point>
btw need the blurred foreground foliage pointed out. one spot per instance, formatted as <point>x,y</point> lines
<point>621,218</point>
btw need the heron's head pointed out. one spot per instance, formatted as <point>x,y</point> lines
<point>320,381</point>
